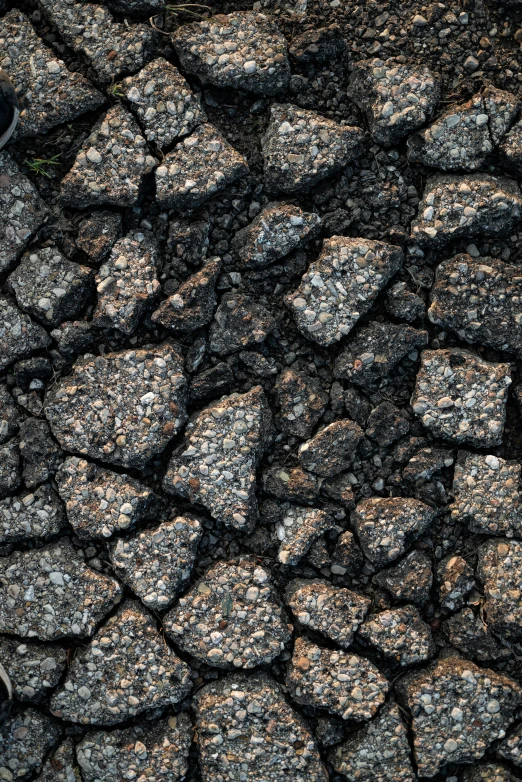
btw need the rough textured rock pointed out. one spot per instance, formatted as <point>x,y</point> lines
<point>302,402</point>
<point>34,669</point>
<point>297,530</point>
<point>410,580</point>
<point>400,634</point>
<point>500,571</point>
<point>332,450</point>
<point>239,323</point>
<point>25,739</point>
<point>36,515</point>
<point>194,302</point>
<point>19,335</point>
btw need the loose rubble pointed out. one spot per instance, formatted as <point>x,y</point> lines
<point>471,636</point>
<point>400,634</point>
<point>332,450</point>
<point>35,516</point>
<point>499,570</point>
<point>194,302</point>
<point>34,669</point>
<point>455,579</point>
<point>239,323</point>
<point>410,580</point>
<point>302,402</point>
<point>25,739</point>
<point>297,530</point>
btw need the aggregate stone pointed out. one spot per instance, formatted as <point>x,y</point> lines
<point>31,516</point>
<point>386,423</point>
<point>157,563</point>
<point>387,526</point>
<point>125,670</point>
<point>296,531</point>
<point>458,710</point>
<point>121,407</point>
<point>339,489</point>
<point>341,286</point>
<point>111,47</point>
<point>332,611</point>
<point>471,636</point>
<point>455,577</point>
<point>292,484</point>
<point>163,102</point>
<point>340,682</point>
<point>19,335</point>
<point>375,350</point>
<point>231,618</point>
<point>510,150</point>
<point>200,166</point>
<point>488,772</point>
<point>9,415</point>
<point>75,337</point>
<point>486,494</point>
<point>499,569</point>
<point>127,282</point>
<point>425,463</point>
<point>10,471</point>
<point>511,747</point>
<point>479,299</point>
<point>111,164</point>
<point>25,738</point>
<point>211,383</point>
<point>246,729</point>
<point>97,234</point>
<point>464,134</point>
<point>216,464</point>
<point>274,233</point>
<point>454,207</point>
<point>400,634</point>
<point>376,752</point>
<point>22,212</point>
<point>322,45</point>
<point>403,304</point>
<point>157,752</point>
<point>188,241</point>
<point>461,397</point>
<point>99,502</point>
<point>301,400</point>
<point>61,766</point>
<point>332,449</point>
<point>48,93</point>
<point>34,669</point>
<point>410,580</point>
<point>49,287</point>
<point>193,303</point>
<point>258,364</point>
<point>40,453</point>
<point>301,148</point>
<point>347,557</point>
<point>395,97</point>
<point>50,593</point>
<point>244,50</point>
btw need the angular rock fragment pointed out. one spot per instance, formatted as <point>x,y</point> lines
<point>163,102</point>
<point>298,529</point>
<point>257,364</point>
<point>511,747</point>
<point>320,45</point>
<point>375,350</point>
<point>122,408</point>
<point>464,134</point>
<point>157,751</point>
<point>194,302</point>
<point>50,593</point>
<point>40,453</point>
<point>231,618</point>
<point>234,432</point>
<point>400,634</point>
<point>487,497</point>
<point>25,739</point>
<point>510,151</point>
<point>460,397</point>
<point>97,234</point>
<point>499,569</point>
<point>376,752</point>
<point>347,557</point>
<point>75,338</point>
<point>341,286</point>
<point>425,463</point>
<point>340,682</point>
<point>454,206</point>
<point>458,710</point>
<point>273,737</point>
<point>396,97</point>
<point>386,527</point>
<point>111,47</point>
<point>386,423</point>
<point>332,450</point>
<point>302,402</point>
<point>339,489</point>
<point>125,670</point>
<point>188,241</point>
<point>455,579</point>
<point>19,335</point>
<point>99,502</point>
<point>34,669</point>
<point>9,415</point>
<point>200,166</point>
<point>48,93</point>
<point>34,516</point>
<point>290,484</point>
<point>410,580</point>
<point>276,231</point>
<point>488,772</point>
<point>10,472</point>
<point>472,637</point>
<point>332,611</point>
<point>156,563</point>
<point>404,304</point>
<point>479,300</point>
<point>211,383</point>
<point>49,287</point>
<point>111,164</point>
<point>244,50</point>
<point>61,766</point>
<point>22,212</point>
<point>126,283</point>
<point>300,148</point>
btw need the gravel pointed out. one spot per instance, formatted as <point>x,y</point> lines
<point>35,515</point>
<point>97,234</point>
<point>239,322</point>
<point>61,765</point>
<point>193,303</point>
<point>301,400</point>
<point>34,669</point>
<point>455,577</point>
<point>400,635</point>
<point>332,450</point>
<point>25,739</point>
<point>499,570</point>
<point>410,580</point>
<point>296,531</point>
<point>471,636</point>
